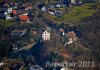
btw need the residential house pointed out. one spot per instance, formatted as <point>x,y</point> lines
<point>46,35</point>
<point>19,12</point>
<point>51,11</point>
<point>5,15</point>
<point>57,12</point>
<point>9,10</point>
<point>58,5</point>
<point>71,37</point>
<point>8,14</point>
<point>43,8</point>
<point>24,18</point>
<point>16,13</point>
<point>8,17</point>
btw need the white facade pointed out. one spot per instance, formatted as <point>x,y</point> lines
<point>5,13</point>
<point>71,40</point>
<point>62,69</point>
<point>58,5</point>
<point>73,1</point>
<point>43,8</point>
<point>46,35</point>
<point>51,13</point>
<point>9,10</point>
<point>2,63</point>
<point>8,17</point>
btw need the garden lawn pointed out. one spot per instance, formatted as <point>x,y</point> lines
<point>75,14</point>
<point>78,13</point>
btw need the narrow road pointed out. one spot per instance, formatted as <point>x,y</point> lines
<point>26,47</point>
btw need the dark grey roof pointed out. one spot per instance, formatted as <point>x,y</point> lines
<point>19,12</point>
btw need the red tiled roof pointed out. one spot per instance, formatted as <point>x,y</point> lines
<point>24,17</point>
<point>14,12</point>
<point>71,34</point>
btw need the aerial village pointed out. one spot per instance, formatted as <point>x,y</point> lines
<point>32,38</point>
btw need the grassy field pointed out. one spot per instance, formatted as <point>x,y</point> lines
<point>78,13</point>
<point>75,14</point>
<point>7,23</point>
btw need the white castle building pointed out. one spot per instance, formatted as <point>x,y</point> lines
<point>46,35</point>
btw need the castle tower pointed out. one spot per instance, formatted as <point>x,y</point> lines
<point>46,35</point>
